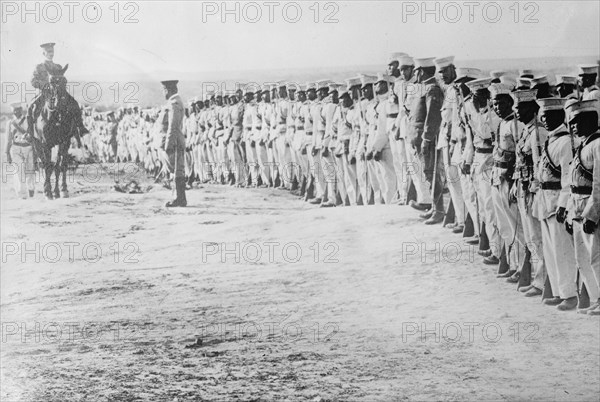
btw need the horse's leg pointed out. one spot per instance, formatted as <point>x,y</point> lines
<point>57,173</point>
<point>47,163</point>
<point>64,193</point>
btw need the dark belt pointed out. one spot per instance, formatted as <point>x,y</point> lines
<point>581,190</point>
<point>300,128</point>
<point>484,150</point>
<point>21,144</point>
<point>551,185</point>
<point>258,128</point>
<point>392,115</point>
<point>308,133</point>
<point>502,165</point>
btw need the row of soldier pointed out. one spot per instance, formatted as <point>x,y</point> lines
<point>518,157</point>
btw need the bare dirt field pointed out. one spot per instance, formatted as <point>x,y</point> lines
<point>253,294</point>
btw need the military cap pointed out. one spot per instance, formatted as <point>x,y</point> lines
<point>16,106</point>
<point>49,45</point>
<point>523,83</point>
<point>443,62</point>
<point>508,80</point>
<point>168,83</point>
<point>479,84</point>
<point>334,86</point>
<point>566,79</point>
<point>322,84</point>
<point>525,95</point>
<point>367,79</point>
<point>281,84</point>
<point>301,88</point>
<point>574,107</point>
<point>499,89</point>
<point>424,62</point>
<point>219,93</point>
<point>539,80</point>
<point>497,73</point>
<point>396,56</point>
<point>463,73</point>
<point>551,104</point>
<point>526,73</point>
<point>587,69</point>
<point>310,85</point>
<point>406,61</point>
<point>383,77</point>
<point>350,82</point>
<point>292,86</point>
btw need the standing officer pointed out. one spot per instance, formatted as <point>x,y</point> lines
<point>584,204</point>
<point>526,184</point>
<point>425,124</point>
<point>20,151</point>
<point>171,121</point>
<point>447,139</point>
<point>552,197</point>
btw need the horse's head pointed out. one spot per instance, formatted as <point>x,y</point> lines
<point>56,89</point>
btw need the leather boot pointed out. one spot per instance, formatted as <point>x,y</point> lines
<point>180,200</point>
<point>435,218</point>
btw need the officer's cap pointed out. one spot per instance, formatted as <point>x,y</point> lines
<point>539,80</point>
<point>495,74</point>
<point>16,106</point>
<point>367,79</point>
<point>525,95</point>
<point>350,82</point>
<point>481,83</point>
<point>574,107</point>
<point>499,89</point>
<point>169,83</point>
<point>566,79</point>
<point>443,62</point>
<point>322,84</point>
<point>396,56</point>
<point>424,62</point>
<point>48,46</point>
<point>383,77</point>
<point>463,73</point>
<point>526,73</point>
<point>406,61</point>
<point>587,69</point>
<point>508,81</point>
<point>551,104</point>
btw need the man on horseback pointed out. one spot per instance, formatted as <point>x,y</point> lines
<point>40,80</point>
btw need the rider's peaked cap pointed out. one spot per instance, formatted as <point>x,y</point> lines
<point>168,83</point>
<point>49,45</point>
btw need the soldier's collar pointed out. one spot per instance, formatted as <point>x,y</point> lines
<point>430,80</point>
<point>509,117</point>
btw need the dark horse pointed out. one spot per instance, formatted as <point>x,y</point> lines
<point>55,126</point>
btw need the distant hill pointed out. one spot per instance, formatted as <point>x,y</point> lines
<point>110,92</point>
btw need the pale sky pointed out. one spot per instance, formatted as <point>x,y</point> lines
<point>171,35</point>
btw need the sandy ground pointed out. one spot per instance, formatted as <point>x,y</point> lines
<point>111,297</point>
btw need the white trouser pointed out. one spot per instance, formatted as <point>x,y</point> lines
<point>453,176</point>
<point>387,175</point>
<point>350,179</point>
<point>587,255</point>
<point>559,256</point>
<point>508,225</point>
<point>481,173</point>
<point>532,232</point>
<point>24,175</point>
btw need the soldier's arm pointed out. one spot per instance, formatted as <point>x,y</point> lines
<point>433,100</point>
<point>592,208</point>
<point>566,157</point>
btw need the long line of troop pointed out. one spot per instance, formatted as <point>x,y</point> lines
<point>520,158</point>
